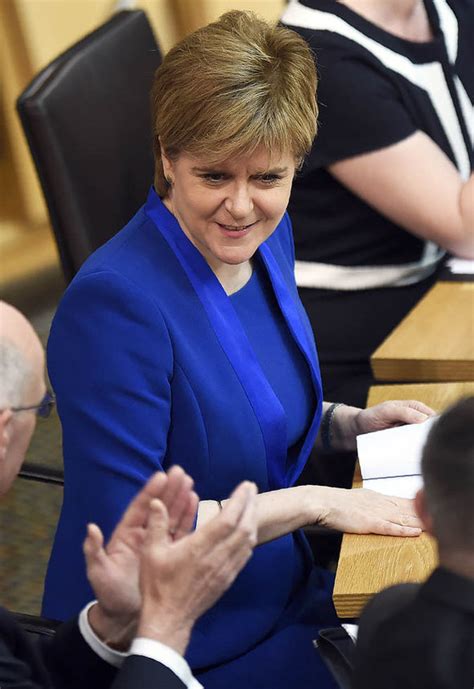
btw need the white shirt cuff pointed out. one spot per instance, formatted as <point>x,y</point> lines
<point>167,656</point>
<point>149,648</point>
<point>108,654</point>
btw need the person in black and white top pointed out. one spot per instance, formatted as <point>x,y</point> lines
<point>388,187</point>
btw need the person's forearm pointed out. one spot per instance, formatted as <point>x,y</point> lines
<point>280,511</point>
<point>466,206</point>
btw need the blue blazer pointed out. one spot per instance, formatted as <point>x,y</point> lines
<point>151,368</point>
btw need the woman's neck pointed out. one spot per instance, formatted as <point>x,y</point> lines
<point>233,278</point>
<point>406,19</point>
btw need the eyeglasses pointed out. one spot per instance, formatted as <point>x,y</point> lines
<point>42,409</point>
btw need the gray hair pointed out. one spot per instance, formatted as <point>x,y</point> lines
<point>15,374</point>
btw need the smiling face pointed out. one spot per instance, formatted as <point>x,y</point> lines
<point>228,209</point>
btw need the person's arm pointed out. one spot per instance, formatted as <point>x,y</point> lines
<point>111,363</point>
<point>415,185</point>
<point>360,511</point>
<point>179,580</point>
<point>353,511</point>
<point>113,570</point>
<point>181,574</point>
<point>344,423</point>
<point>182,579</point>
<point>369,140</point>
<point>156,664</point>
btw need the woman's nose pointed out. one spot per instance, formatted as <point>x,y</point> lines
<point>239,201</point>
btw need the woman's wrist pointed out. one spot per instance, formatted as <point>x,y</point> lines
<point>317,504</point>
<point>343,427</point>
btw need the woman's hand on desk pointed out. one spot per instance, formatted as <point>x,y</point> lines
<point>364,511</point>
<point>352,511</point>
<point>349,422</point>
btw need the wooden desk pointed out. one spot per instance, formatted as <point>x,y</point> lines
<point>368,564</point>
<point>435,341</point>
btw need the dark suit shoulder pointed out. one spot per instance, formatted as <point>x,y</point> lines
<point>411,640</point>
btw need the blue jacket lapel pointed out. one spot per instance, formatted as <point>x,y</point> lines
<point>235,344</point>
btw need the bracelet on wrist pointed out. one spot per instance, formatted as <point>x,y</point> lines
<point>327,426</point>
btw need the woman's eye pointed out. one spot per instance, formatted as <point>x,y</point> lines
<point>269,179</point>
<point>213,177</point>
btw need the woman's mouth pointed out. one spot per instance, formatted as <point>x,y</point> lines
<point>237,229</point>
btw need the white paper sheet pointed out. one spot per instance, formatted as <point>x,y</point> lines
<point>393,452</point>
<point>461,266</point>
<point>401,486</point>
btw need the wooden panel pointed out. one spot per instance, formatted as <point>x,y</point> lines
<point>196,13</point>
<point>368,564</point>
<point>435,342</point>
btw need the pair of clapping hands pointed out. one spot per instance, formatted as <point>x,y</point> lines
<point>156,575</point>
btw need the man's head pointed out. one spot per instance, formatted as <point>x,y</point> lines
<point>21,385</point>
<point>446,505</point>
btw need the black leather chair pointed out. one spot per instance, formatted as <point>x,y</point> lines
<point>86,117</point>
<point>42,473</point>
<point>37,626</point>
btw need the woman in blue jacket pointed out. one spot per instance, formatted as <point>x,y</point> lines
<point>183,340</point>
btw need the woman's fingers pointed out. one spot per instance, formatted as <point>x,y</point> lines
<point>398,516</point>
<point>388,528</point>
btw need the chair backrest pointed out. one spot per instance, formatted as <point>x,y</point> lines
<point>36,626</point>
<point>86,117</point>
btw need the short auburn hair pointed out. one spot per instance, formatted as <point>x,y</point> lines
<point>232,86</point>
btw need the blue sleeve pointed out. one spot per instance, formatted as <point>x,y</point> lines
<point>110,362</point>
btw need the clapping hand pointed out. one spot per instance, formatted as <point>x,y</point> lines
<point>113,570</point>
<point>182,579</point>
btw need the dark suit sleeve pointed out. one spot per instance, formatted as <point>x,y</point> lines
<point>66,661</point>
<point>62,662</point>
<point>75,666</point>
<point>139,672</point>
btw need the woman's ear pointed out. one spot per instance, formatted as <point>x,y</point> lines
<point>167,165</point>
